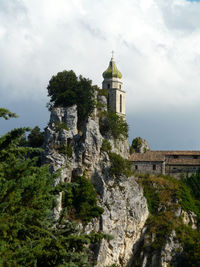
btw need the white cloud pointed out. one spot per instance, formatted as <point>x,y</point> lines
<point>156,46</point>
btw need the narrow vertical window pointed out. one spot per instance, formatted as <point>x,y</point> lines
<point>154,167</point>
<point>120,104</point>
<point>108,85</point>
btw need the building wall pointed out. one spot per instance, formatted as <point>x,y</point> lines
<point>160,168</point>
<point>178,170</point>
<point>149,167</point>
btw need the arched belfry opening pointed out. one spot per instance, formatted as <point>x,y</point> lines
<point>113,85</point>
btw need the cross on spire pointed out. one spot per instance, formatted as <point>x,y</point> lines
<point>112,54</point>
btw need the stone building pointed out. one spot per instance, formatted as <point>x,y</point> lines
<point>173,163</point>
<point>113,85</point>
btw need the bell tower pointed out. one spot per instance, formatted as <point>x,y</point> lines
<point>113,85</point>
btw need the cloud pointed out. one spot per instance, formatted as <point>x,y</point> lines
<point>156,46</point>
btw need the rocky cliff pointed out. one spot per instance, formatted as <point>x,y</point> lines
<point>73,151</point>
<point>139,240</point>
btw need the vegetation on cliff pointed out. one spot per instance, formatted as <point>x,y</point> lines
<point>30,236</point>
<point>113,124</point>
<point>66,89</point>
<point>167,197</point>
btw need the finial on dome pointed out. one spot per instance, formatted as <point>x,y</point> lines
<point>112,54</point>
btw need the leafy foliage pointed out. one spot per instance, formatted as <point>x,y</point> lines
<point>119,165</point>
<point>35,138</point>
<point>106,146</point>
<point>6,114</point>
<point>81,200</point>
<point>61,125</point>
<point>164,196</point>
<point>29,234</point>
<point>113,124</point>
<point>66,89</point>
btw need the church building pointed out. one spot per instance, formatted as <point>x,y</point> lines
<point>173,163</point>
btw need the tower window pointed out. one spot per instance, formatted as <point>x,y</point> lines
<point>120,87</point>
<point>120,103</point>
<point>108,85</point>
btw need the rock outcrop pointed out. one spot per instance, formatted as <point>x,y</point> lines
<point>125,208</point>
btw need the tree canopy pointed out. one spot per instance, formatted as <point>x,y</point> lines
<point>67,89</point>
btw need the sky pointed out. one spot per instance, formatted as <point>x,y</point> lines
<point>157,49</point>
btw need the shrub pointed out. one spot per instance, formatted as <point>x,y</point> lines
<point>81,200</point>
<point>35,138</point>
<point>106,146</point>
<point>65,149</point>
<point>113,124</point>
<point>119,165</point>
<point>60,125</point>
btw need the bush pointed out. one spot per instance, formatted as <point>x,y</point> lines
<point>106,146</point>
<point>120,166</point>
<point>65,149</point>
<point>60,125</point>
<point>81,200</point>
<point>35,138</point>
<point>113,124</point>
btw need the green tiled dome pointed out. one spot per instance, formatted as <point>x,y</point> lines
<point>112,71</point>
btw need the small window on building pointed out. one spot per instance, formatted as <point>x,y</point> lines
<point>120,87</point>
<point>108,85</point>
<point>175,157</point>
<point>195,157</point>
<point>136,167</point>
<point>120,103</point>
<point>154,167</point>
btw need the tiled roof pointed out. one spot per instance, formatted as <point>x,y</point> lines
<point>182,162</point>
<point>161,156</point>
<point>148,156</point>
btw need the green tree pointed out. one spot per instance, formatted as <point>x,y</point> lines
<point>29,234</point>
<point>66,89</point>
<point>35,138</point>
<point>113,124</point>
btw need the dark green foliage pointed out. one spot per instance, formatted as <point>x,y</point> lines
<point>119,165</point>
<point>113,124</point>
<point>81,200</point>
<point>35,138</point>
<point>106,146</point>
<point>101,92</point>
<point>6,114</point>
<point>29,234</point>
<point>65,149</point>
<point>190,239</point>
<point>61,125</point>
<point>194,184</point>
<point>164,196</point>
<point>66,89</point>
<point>151,196</point>
<point>136,143</point>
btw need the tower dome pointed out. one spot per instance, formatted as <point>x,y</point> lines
<point>112,71</point>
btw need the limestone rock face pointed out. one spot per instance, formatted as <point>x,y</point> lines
<point>123,201</point>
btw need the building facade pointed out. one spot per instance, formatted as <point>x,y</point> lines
<point>113,85</point>
<point>173,163</point>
